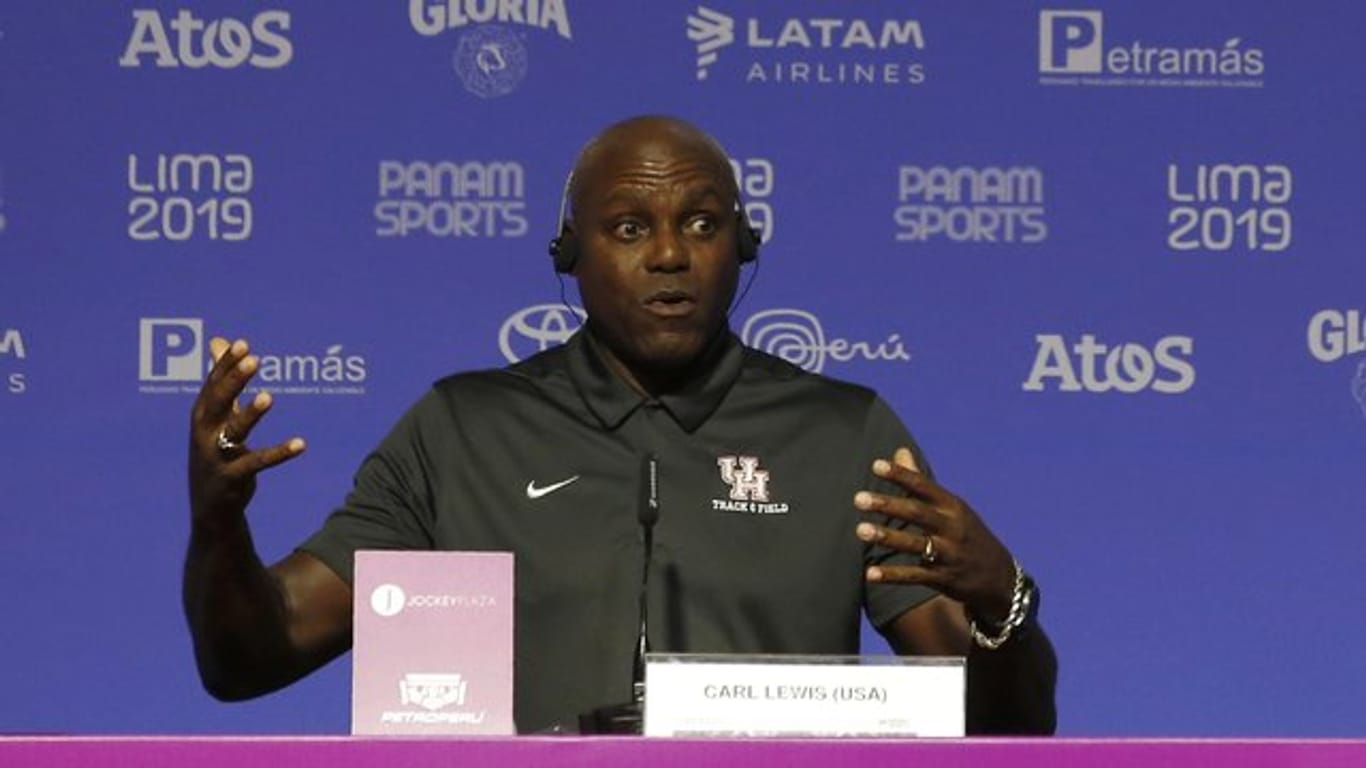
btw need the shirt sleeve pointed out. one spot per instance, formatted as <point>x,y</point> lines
<point>390,504</point>
<point>883,434</point>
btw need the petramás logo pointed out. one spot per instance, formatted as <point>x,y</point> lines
<point>825,51</point>
<point>1073,50</point>
<point>1090,366</point>
<point>173,359</point>
<point>491,57</point>
<point>225,43</point>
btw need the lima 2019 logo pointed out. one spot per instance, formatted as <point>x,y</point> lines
<point>491,57</point>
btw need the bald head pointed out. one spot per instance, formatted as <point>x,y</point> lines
<point>641,140</point>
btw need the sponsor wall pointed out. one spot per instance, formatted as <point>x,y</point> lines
<point>1103,258</point>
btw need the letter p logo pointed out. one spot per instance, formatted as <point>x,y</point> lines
<point>171,349</point>
<point>1070,41</point>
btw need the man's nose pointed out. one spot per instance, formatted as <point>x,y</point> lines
<point>669,252</point>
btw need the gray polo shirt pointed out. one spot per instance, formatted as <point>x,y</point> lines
<point>754,549</point>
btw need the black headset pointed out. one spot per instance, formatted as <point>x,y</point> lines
<point>564,247</point>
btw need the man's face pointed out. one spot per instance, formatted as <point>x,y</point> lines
<point>658,267</point>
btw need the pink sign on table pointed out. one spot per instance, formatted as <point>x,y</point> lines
<point>432,646</point>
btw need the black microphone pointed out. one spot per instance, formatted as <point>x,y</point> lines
<point>648,514</point>
<point>628,717</point>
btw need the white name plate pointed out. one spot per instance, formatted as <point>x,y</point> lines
<point>698,695</point>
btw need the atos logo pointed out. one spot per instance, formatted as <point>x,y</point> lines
<point>1129,368</point>
<point>536,329</point>
<point>223,43</point>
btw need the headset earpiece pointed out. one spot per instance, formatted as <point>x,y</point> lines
<point>564,250</point>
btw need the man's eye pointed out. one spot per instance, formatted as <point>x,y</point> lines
<point>628,230</point>
<point>701,225</point>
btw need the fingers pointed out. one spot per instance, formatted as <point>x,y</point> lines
<point>232,368</point>
<point>262,459</point>
<point>904,574</point>
<point>239,425</point>
<point>905,474</point>
<point>903,508</point>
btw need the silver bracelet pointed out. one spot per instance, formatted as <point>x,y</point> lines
<point>1021,599</point>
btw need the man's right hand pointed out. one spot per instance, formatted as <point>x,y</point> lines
<point>222,468</point>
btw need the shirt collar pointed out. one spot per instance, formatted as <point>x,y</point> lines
<point>612,400</point>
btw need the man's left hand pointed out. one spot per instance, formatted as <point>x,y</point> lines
<point>959,555</point>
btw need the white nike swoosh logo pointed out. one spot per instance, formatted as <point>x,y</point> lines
<point>532,492</point>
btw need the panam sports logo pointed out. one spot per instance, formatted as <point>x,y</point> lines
<point>964,204</point>
<point>1076,48</point>
<point>491,57</point>
<point>453,199</point>
<point>794,51</point>
<point>173,359</point>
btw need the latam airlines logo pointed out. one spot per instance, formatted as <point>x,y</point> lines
<point>794,335</point>
<point>1333,335</point>
<point>225,43</point>
<point>172,360</point>
<point>12,348</point>
<point>1091,366</point>
<point>822,51</point>
<point>491,57</point>
<point>1072,51</point>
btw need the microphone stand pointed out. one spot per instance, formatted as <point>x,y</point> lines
<point>629,717</point>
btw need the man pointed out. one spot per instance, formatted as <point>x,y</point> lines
<point>777,520</point>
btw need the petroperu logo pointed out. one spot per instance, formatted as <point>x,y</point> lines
<point>748,487</point>
<point>449,198</point>
<point>182,196</point>
<point>1221,206</point>
<point>1091,366</point>
<point>12,349</point>
<point>225,43</point>
<point>1072,51</point>
<point>798,337</point>
<point>754,178</point>
<point>538,328</point>
<point>433,692</point>
<point>172,360</point>
<point>821,51</point>
<point>1334,334</point>
<point>491,57</point>
<point>963,204</point>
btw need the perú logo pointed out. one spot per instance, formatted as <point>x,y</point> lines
<point>1127,368</point>
<point>224,43</point>
<point>747,482</point>
<point>796,336</point>
<point>536,329</point>
<point>711,30</point>
<point>432,690</point>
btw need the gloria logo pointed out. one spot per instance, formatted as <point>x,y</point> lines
<point>225,43</point>
<point>798,337</point>
<point>987,204</point>
<point>1090,366</point>
<point>1335,334</point>
<point>538,328</point>
<point>1072,51</point>
<point>12,348</point>
<point>451,199</point>
<point>490,58</point>
<point>810,51</point>
<point>172,360</point>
